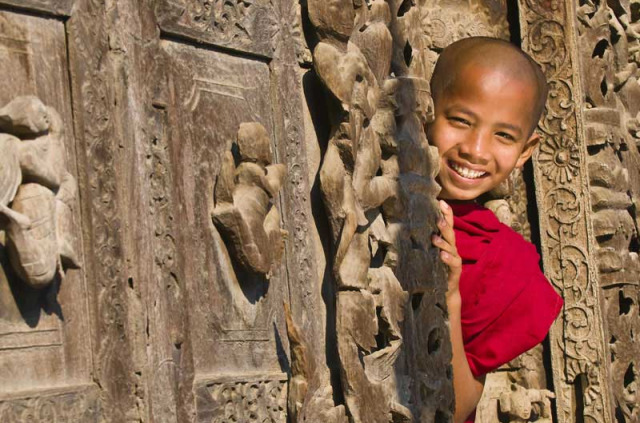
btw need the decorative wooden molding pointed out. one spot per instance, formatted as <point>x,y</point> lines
<point>578,345</point>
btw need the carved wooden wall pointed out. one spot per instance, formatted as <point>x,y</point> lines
<point>220,211</point>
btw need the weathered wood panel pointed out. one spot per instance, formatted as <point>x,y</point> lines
<point>41,332</point>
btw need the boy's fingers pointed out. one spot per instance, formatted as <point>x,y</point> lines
<point>446,231</point>
<point>453,261</point>
<point>443,245</point>
<point>447,212</point>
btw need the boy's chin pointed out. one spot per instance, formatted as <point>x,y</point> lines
<point>459,196</point>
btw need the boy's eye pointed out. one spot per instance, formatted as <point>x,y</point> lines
<point>459,120</point>
<point>506,136</point>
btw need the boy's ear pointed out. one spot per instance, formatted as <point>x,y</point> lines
<point>529,147</point>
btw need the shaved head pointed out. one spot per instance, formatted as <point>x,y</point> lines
<point>492,54</point>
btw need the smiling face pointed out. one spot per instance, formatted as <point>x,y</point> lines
<point>482,129</point>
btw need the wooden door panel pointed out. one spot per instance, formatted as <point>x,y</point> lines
<point>42,344</point>
<point>235,318</point>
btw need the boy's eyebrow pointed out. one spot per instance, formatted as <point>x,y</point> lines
<point>514,128</point>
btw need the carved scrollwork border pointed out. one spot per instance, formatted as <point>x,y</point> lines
<point>562,190</point>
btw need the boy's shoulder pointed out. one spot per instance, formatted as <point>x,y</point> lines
<point>478,227</point>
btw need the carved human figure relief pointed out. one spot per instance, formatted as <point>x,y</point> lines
<point>37,192</point>
<point>244,210</point>
<point>520,405</point>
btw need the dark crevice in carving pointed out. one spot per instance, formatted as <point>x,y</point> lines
<point>634,245</point>
<point>384,335</point>
<point>532,210</point>
<point>604,88</point>
<point>620,415</point>
<point>416,301</point>
<point>441,417</point>
<point>36,13</point>
<point>547,369</point>
<point>513,20</point>
<point>200,44</point>
<point>405,7</point>
<point>281,353</point>
<point>408,53</point>
<point>629,376</point>
<point>600,49</point>
<point>635,12</point>
<point>612,343</point>
<point>604,238</point>
<point>254,286</point>
<point>435,341</point>
<point>595,149</point>
<point>579,393</point>
<point>377,260</point>
<point>624,303</point>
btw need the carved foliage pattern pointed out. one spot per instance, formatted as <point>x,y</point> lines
<point>95,131</point>
<point>247,25</point>
<point>252,401</point>
<point>70,407</point>
<point>377,181</point>
<point>609,42</point>
<point>578,349</point>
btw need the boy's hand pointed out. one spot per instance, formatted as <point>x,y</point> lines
<point>448,251</point>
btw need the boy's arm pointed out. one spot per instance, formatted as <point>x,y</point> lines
<point>467,389</point>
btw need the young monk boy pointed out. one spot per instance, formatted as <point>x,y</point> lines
<point>488,97</point>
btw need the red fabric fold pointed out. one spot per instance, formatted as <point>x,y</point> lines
<point>508,305</point>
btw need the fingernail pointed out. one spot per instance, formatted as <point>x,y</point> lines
<point>444,254</point>
<point>444,205</point>
<point>442,222</point>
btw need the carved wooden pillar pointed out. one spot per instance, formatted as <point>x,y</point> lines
<point>578,345</point>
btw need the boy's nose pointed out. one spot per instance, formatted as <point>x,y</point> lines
<point>475,148</point>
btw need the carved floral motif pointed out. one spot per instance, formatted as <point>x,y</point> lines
<point>577,341</point>
<point>82,406</point>
<point>559,160</point>
<point>251,400</point>
<point>609,41</point>
<point>248,25</point>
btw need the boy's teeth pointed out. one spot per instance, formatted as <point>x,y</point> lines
<point>467,173</point>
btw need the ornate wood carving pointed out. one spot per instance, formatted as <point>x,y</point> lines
<point>93,51</point>
<point>578,346</point>
<point>40,218</point>
<point>75,404</point>
<point>609,43</point>
<point>248,399</point>
<point>245,25</point>
<point>377,181</point>
<point>244,212</point>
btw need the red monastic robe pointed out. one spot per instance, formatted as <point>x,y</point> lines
<point>508,305</point>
